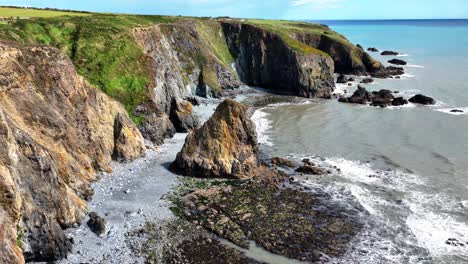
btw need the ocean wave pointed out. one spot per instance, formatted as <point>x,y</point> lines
<point>414,66</point>
<point>406,218</point>
<point>403,55</point>
<point>262,125</point>
<point>448,111</point>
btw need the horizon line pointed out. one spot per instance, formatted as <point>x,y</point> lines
<point>292,19</point>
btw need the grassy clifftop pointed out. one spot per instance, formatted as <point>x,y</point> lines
<point>105,52</point>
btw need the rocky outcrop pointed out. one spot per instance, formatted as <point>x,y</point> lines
<point>181,116</point>
<point>341,79</point>
<point>349,59</point>
<point>382,98</point>
<point>263,58</point>
<point>422,99</point>
<point>373,49</point>
<point>399,101</point>
<point>389,72</point>
<point>225,146</point>
<point>389,53</point>
<point>56,131</point>
<point>397,62</point>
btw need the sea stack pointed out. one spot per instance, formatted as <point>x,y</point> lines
<point>224,147</point>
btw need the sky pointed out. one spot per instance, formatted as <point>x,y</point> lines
<point>277,9</point>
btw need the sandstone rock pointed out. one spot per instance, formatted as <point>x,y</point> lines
<point>399,101</point>
<point>56,131</point>
<point>389,53</point>
<point>422,99</point>
<point>283,162</point>
<point>225,146</point>
<point>307,169</point>
<point>96,223</point>
<point>129,143</point>
<point>397,62</point>
<point>182,116</point>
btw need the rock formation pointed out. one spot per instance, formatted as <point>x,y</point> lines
<point>389,53</point>
<point>225,146</point>
<point>264,59</point>
<point>422,99</point>
<point>397,62</point>
<point>56,132</point>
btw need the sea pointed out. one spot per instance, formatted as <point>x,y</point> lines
<point>406,167</point>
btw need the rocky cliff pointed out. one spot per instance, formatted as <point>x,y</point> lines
<point>265,59</point>
<point>56,132</point>
<point>225,146</point>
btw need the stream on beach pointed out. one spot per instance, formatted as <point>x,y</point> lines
<point>406,166</point>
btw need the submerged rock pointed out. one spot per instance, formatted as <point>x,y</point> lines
<point>389,53</point>
<point>283,162</point>
<point>307,169</point>
<point>397,62</point>
<point>225,146</point>
<point>456,111</point>
<point>422,99</point>
<point>96,223</point>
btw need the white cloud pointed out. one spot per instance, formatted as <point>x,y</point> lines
<point>317,4</point>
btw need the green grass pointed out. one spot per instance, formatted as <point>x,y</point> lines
<point>100,46</point>
<point>285,29</point>
<point>24,12</point>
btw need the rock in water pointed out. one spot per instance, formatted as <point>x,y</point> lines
<point>96,223</point>
<point>283,162</point>
<point>399,101</point>
<point>422,99</point>
<point>389,53</point>
<point>382,98</point>
<point>225,146</point>
<point>456,111</point>
<point>341,79</point>
<point>397,62</point>
<point>307,169</point>
<point>367,80</point>
<point>373,49</point>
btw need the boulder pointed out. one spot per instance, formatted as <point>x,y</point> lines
<point>382,98</point>
<point>126,138</point>
<point>307,169</point>
<point>341,79</point>
<point>399,101</point>
<point>389,53</point>
<point>389,72</point>
<point>397,62</point>
<point>373,49</point>
<point>360,96</point>
<point>351,79</point>
<point>157,127</point>
<point>308,162</point>
<point>182,116</point>
<point>225,146</point>
<point>283,162</point>
<point>422,99</point>
<point>96,223</point>
<point>367,80</point>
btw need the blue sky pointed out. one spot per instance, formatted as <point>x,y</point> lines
<point>280,9</point>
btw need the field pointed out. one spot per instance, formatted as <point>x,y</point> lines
<point>24,12</point>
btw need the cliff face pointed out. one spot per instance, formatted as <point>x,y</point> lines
<point>225,146</point>
<point>348,58</point>
<point>56,132</point>
<point>265,59</point>
<point>182,66</point>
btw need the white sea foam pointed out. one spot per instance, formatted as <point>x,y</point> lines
<point>421,219</point>
<point>448,111</point>
<point>407,76</point>
<point>403,55</point>
<point>263,125</point>
<point>414,66</point>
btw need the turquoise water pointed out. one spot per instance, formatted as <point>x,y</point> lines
<point>408,166</point>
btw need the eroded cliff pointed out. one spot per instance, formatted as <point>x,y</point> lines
<point>56,132</point>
